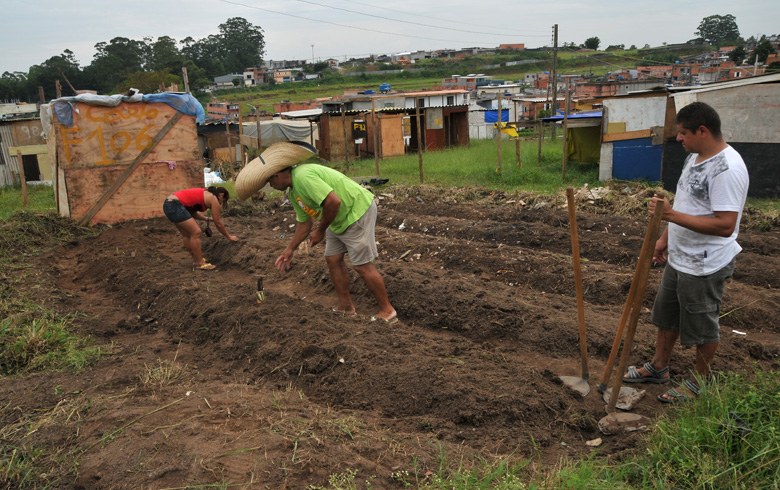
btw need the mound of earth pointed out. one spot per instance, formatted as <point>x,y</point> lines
<point>203,384</point>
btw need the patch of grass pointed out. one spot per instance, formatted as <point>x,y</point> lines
<point>33,338</point>
<point>17,467</point>
<point>41,199</point>
<point>727,438</point>
<point>477,165</point>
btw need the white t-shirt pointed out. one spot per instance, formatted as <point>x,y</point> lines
<point>719,183</point>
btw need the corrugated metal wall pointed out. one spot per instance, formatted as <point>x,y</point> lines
<point>9,170</point>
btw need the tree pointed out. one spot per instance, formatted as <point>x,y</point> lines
<point>719,29</point>
<point>616,47</point>
<point>63,67</point>
<point>164,55</point>
<point>763,49</point>
<point>738,55</point>
<point>592,43</point>
<point>241,44</point>
<point>116,60</point>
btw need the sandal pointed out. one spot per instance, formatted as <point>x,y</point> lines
<point>658,376</point>
<point>689,391</point>
<point>206,266</point>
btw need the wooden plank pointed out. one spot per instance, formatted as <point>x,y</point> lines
<point>248,141</point>
<point>616,127</point>
<point>628,135</point>
<point>29,149</point>
<point>140,197</point>
<point>129,170</point>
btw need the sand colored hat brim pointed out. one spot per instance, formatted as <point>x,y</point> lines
<point>275,158</point>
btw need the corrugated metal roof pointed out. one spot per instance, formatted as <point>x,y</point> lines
<point>775,77</point>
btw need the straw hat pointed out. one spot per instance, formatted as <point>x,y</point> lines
<point>275,158</point>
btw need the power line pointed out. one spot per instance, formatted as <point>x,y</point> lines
<point>406,12</point>
<point>413,23</point>
<point>373,31</point>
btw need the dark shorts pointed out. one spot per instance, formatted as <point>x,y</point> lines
<point>691,304</point>
<point>175,211</point>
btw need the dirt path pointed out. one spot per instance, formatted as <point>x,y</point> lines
<point>285,393</point>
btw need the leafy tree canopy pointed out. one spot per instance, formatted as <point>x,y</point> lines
<point>592,43</point>
<point>719,29</point>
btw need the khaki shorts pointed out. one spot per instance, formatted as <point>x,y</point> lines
<point>691,304</point>
<point>358,240</point>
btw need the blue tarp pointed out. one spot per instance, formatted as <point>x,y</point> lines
<point>492,116</point>
<point>574,115</point>
<point>184,103</point>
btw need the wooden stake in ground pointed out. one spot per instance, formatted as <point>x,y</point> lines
<point>186,80</point>
<point>375,135</point>
<point>22,178</point>
<point>565,157</point>
<point>419,142</point>
<point>541,137</point>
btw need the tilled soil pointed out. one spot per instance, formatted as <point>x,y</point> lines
<point>202,384</point>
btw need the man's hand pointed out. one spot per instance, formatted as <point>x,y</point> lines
<point>659,201</point>
<point>284,261</point>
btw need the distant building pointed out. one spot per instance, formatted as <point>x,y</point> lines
<point>513,47</point>
<point>227,81</point>
<point>222,111</point>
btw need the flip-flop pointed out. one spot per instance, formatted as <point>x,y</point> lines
<point>344,312</point>
<point>206,266</point>
<point>393,318</point>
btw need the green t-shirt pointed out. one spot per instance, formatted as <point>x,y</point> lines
<point>311,184</point>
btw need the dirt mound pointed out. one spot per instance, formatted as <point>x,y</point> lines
<point>285,393</point>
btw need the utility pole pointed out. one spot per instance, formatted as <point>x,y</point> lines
<point>312,54</point>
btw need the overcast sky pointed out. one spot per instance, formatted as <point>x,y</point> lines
<point>35,30</point>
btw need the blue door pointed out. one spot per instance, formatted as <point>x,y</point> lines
<point>637,159</point>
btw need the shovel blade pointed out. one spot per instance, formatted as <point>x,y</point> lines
<point>576,384</point>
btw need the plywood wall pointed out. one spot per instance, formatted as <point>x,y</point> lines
<point>101,145</point>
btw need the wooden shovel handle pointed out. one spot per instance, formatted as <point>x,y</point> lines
<point>640,277</point>
<point>575,259</point>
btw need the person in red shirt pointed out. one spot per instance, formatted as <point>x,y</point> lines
<point>184,206</point>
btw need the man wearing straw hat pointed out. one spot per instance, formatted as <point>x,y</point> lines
<point>328,205</point>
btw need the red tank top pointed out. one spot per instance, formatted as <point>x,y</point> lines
<point>192,198</point>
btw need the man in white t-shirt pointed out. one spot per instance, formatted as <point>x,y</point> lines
<point>699,247</point>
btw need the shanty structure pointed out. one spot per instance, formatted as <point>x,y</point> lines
<point>115,158</point>
<point>366,124</point>
<point>749,110</point>
<point>22,144</point>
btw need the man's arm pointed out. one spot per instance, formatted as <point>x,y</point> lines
<point>722,223</point>
<point>330,209</point>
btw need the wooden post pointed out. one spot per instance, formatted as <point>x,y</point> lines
<point>231,150</point>
<point>565,157</point>
<point>57,89</point>
<point>240,133</point>
<point>498,147</point>
<point>518,160</point>
<point>540,138</point>
<point>22,177</point>
<point>346,136</point>
<point>311,132</point>
<point>186,80</point>
<point>41,96</point>
<point>259,138</point>
<point>375,128</point>
<point>419,142</point>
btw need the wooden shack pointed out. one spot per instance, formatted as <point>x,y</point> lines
<point>118,163</point>
<point>22,142</point>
